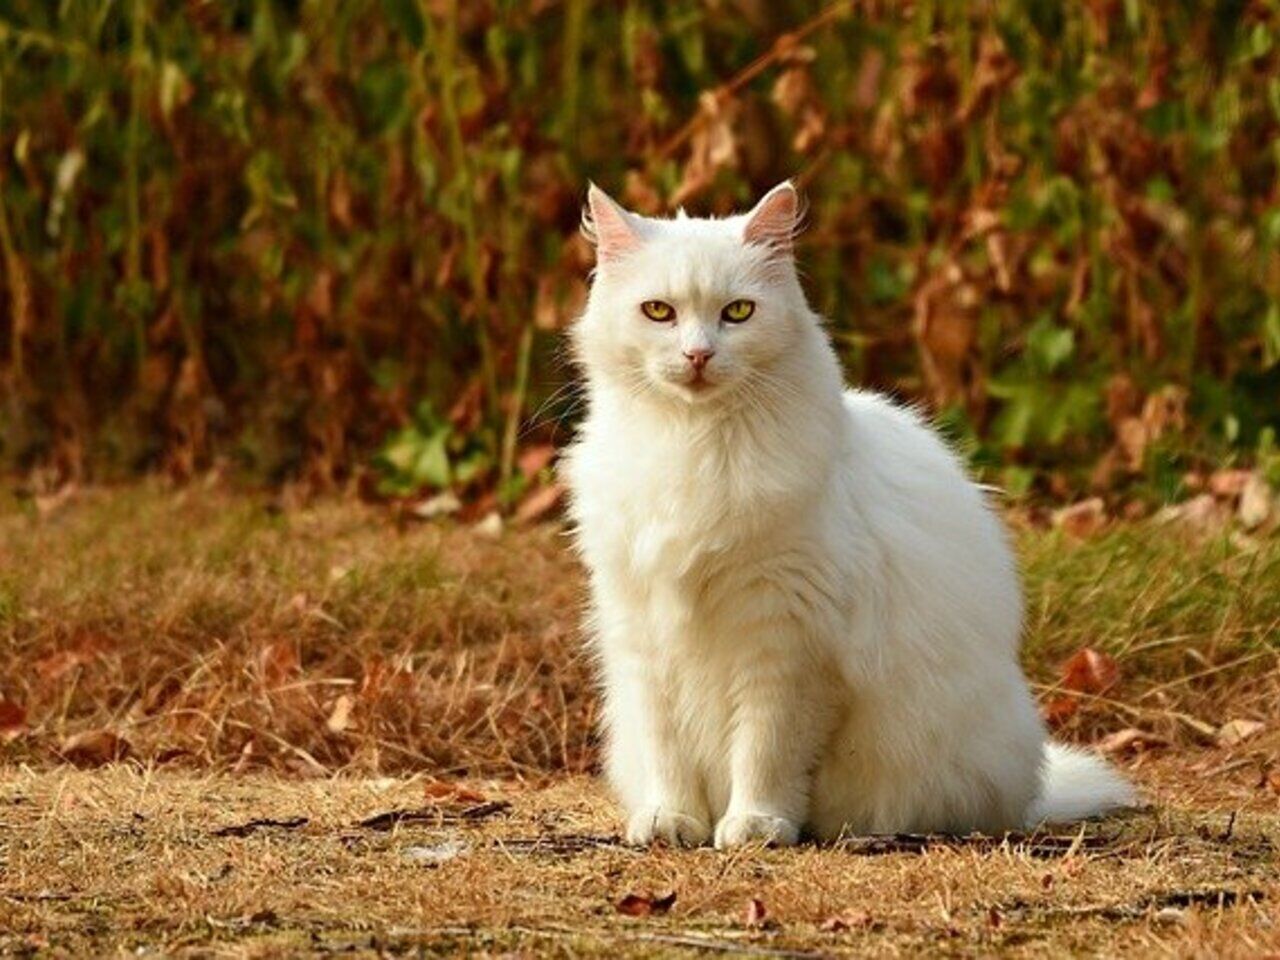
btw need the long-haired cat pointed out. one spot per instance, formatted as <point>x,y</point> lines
<point>805,615</point>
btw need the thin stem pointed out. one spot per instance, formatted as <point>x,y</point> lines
<point>446,48</point>
<point>512,431</point>
<point>133,135</point>
<point>19,287</point>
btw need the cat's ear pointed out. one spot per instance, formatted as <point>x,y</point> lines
<point>612,230</point>
<point>775,220</point>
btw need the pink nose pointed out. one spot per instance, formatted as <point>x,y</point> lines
<point>698,359</point>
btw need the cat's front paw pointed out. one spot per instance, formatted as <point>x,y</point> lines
<point>668,826</point>
<point>739,829</point>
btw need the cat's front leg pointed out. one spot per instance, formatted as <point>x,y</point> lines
<point>657,780</point>
<point>781,716</point>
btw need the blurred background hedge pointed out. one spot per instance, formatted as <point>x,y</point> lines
<point>338,242</point>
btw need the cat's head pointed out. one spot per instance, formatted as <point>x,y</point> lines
<point>690,308</point>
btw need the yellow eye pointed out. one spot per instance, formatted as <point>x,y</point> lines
<point>738,311</point>
<point>657,310</point>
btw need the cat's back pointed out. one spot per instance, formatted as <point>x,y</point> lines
<point>942,543</point>
<point>898,457</point>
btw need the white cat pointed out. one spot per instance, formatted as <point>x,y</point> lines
<point>806,617</point>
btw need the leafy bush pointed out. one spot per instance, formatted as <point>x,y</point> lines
<point>271,229</point>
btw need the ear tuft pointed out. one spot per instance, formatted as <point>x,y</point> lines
<point>610,228</point>
<point>775,220</point>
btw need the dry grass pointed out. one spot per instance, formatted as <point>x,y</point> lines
<point>209,629</point>
<point>252,662</point>
<point>129,861</point>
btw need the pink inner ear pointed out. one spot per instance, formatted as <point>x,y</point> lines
<point>773,222</point>
<point>615,237</point>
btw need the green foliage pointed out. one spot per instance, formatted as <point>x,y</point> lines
<point>429,453</point>
<point>270,229</point>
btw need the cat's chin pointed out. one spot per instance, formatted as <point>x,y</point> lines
<point>695,391</point>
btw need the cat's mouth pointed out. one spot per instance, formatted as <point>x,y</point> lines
<point>698,386</point>
<point>690,385</point>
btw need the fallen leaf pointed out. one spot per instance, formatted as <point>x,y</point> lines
<point>46,504</point>
<point>756,913</point>
<point>1059,710</point>
<point>1081,520</point>
<point>93,748</point>
<point>1255,502</point>
<point>1090,671</point>
<point>13,720</point>
<point>860,920</point>
<point>1202,514</point>
<point>490,527</point>
<point>279,660</point>
<point>1228,484</point>
<point>340,717</point>
<point>1237,731</point>
<point>1130,740</point>
<point>637,905</point>
<point>452,792</point>
<point>60,662</point>
<point>441,505</point>
<point>539,503</point>
<point>534,459</point>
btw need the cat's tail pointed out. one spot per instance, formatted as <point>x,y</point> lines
<point>1076,784</point>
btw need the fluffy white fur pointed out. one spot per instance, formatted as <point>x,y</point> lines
<point>806,616</point>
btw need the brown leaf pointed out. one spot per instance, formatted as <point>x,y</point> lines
<point>1165,410</point>
<point>1228,484</point>
<point>340,717</point>
<point>279,660</point>
<point>340,200</point>
<point>859,920</point>
<point>1059,710</point>
<point>866,88</point>
<point>533,459</point>
<point>756,915</point>
<point>713,146</point>
<point>452,793</point>
<point>993,74</point>
<point>1130,740</point>
<point>1256,502</point>
<point>93,748</point>
<point>638,905</point>
<point>793,90</point>
<point>945,325</point>
<point>50,668</point>
<point>1202,514</point>
<point>539,503</point>
<point>1234,732</point>
<point>468,410</point>
<point>46,504</point>
<point>1082,520</point>
<point>13,720</point>
<point>1090,671</point>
